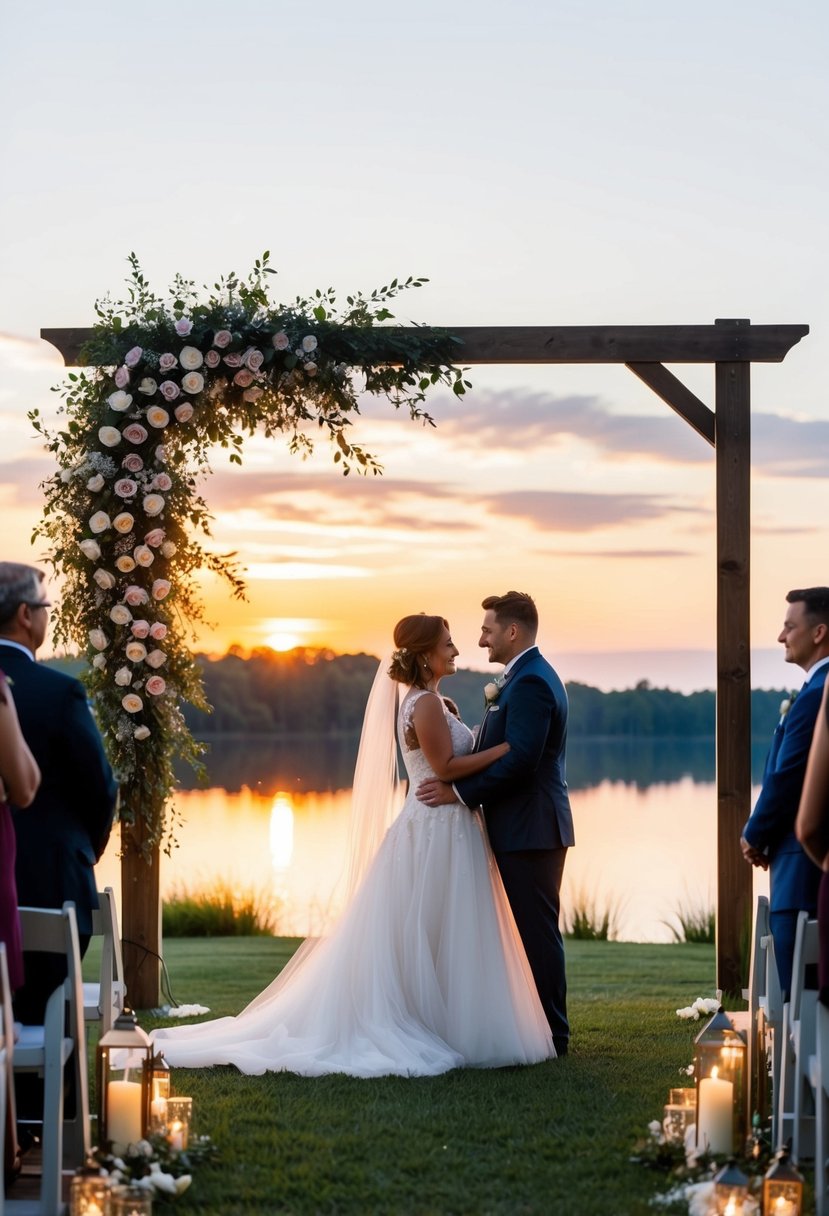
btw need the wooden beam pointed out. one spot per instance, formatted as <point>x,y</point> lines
<point>675,394</point>
<point>580,343</point>
<point>734,875</point>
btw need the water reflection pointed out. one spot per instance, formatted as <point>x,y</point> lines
<point>275,821</point>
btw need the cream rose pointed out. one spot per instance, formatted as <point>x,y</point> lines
<point>125,563</point>
<point>309,343</point>
<point>141,732</point>
<point>190,357</point>
<point>95,483</point>
<point>140,629</point>
<point>120,615</point>
<point>123,522</point>
<point>132,703</point>
<point>120,401</point>
<point>104,579</point>
<point>98,639</point>
<point>157,417</point>
<point>148,387</point>
<point>109,436</point>
<point>99,522</point>
<point>123,676</point>
<point>144,555</point>
<point>136,652</point>
<point>156,658</point>
<point>168,549</point>
<point>158,631</point>
<point>160,589</point>
<point>91,549</point>
<point>156,685</point>
<point>193,382</point>
<point>99,662</point>
<point>153,504</point>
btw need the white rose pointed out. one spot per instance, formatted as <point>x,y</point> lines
<point>95,483</point>
<point>98,639</point>
<point>153,504</point>
<point>156,658</point>
<point>144,555</point>
<point>141,732</point>
<point>119,401</point>
<point>123,676</point>
<point>148,386</point>
<point>157,417</point>
<point>99,522</point>
<point>125,563</point>
<point>123,522</point>
<point>132,703</point>
<point>104,579</point>
<point>99,662</point>
<point>190,358</point>
<point>120,615</point>
<point>168,549</point>
<point>91,549</point>
<point>136,652</point>
<point>193,382</point>
<point>309,344</point>
<point>109,436</point>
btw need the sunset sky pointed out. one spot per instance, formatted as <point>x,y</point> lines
<point>626,162</point>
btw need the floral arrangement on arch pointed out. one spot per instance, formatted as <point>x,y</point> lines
<point>168,380</point>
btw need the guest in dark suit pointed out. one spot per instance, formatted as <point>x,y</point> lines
<point>66,828</point>
<point>769,839</point>
<point>524,794</point>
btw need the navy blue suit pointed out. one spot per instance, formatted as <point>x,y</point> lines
<point>527,811</point>
<point>794,879</point>
<point>66,829</point>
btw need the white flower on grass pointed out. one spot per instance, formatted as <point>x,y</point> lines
<point>132,703</point>
<point>90,548</point>
<point>190,357</point>
<point>109,436</point>
<point>98,639</point>
<point>99,522</point>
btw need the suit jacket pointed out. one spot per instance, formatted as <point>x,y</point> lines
<point>66,829</point>
<point>524,794</point>
<point>794,879</point>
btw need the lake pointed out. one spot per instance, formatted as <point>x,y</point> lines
<point>273,821</point>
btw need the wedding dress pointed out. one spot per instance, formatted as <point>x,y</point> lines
<point>424,971</point>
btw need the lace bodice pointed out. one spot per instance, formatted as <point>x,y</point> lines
<point>417,766</point>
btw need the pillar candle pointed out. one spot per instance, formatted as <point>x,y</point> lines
<point>123,1114</point>
<point>715,1117</point>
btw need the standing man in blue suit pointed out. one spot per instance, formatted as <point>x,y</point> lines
<point>66,828</point>
<point>524,794</point>
<point>768,838</point>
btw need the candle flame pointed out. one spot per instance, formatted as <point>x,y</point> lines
<point>715,1072</point>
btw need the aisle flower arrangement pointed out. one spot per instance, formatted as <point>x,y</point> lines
<point>170,379</point>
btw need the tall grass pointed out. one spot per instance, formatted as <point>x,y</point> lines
<point>586,921</point>
<point>694,923</point>
<point>218,911</point>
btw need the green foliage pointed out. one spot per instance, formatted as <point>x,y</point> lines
<point>694,923</point>
<point>584,920</point>
<point>219,911</point>
<point>172,378</point>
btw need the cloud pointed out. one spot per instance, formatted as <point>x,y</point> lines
<point>23,478</point>
<point>627,554</point>
<point>790,447</point>
<point>565,511</point>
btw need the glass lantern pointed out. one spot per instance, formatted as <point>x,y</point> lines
<point>89,1192</point>
<point>680,1112</point>
<point>782,1187</point>
<point>159,1093</point>
<point>730,1189</point>
<point>179,1118</point>
<point>123,1070</point>
<point>721,1080</point>
<point>131,1201</point>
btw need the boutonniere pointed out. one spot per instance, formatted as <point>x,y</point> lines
<point>492,691</point>
<point>786,704</point>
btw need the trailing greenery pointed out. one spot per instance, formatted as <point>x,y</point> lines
<point>175,376</point>
<point>557,1137</point>
<point>694,923</point>
<point>220,911</point>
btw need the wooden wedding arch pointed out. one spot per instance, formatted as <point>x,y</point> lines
<point>731,346</point>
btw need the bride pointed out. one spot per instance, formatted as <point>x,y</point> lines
<point>424,971</point>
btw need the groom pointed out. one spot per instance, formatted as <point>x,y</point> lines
<point>524,794</point>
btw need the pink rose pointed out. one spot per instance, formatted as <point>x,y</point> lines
<point>135,596</point>
<point>184,412</point>
<point>183,327</point>
<point>162,481</point>
<point>143,555</point>
<point>252,394</point>
<point>212,358</point>
<point>140,629</point>
<point>161,589</point>
<point>222,338</point>
<point>135,433</point>
<point>154,538</point>
<point>234,359</point>
<point>253,359</point>
<point>156,658</point>
<point>132,463</point>
<point>169,390</point>
<point>158,631</point>
<point>281,341</point>
<point>125,487</point>
<point>133,357</point>
<point>161,452</point>
<point>167,362</point>
<point>122,377</point>
<point>243,378</point>
<point>155,686</point>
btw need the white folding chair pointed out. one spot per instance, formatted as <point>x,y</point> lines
<point>104,999</point>
<point>795,1107</point>
<point>46,1049</point>
<point>765,1004</point>
<point>820,1081</point>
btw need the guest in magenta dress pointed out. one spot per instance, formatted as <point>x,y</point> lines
<point>19,779</point>
<point>812,828</point>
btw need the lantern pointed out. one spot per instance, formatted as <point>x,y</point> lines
<point>123,1070</point>
<point>782,1187</point>
<point>89,1192</point>
<point>720,1067</point>
<point>730,1189</point>
<point>179,1117</point>
<point>680,1112</point>
<point>159,1093</point>
<point>131,1201</point>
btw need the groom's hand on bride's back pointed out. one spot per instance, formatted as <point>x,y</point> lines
<point>435,793</point>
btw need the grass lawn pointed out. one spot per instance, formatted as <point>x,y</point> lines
<point>551,1139</point>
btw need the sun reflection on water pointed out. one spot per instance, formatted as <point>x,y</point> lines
<point>282,831</point>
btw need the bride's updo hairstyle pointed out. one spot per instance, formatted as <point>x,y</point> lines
<point>414,637</point>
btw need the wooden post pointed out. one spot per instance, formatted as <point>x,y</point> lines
<point>734,875</point>
<point>140,919</point>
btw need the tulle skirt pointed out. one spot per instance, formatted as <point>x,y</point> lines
<point>423,972</point>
